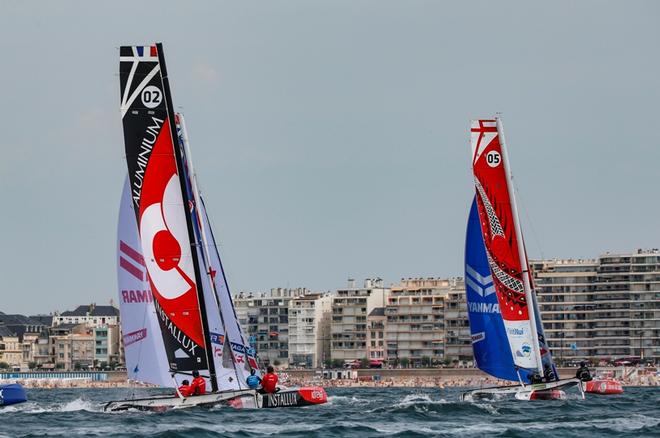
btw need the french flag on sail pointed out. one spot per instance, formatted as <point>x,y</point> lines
<point>146,51</point>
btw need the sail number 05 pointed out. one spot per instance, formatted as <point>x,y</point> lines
<point>151,96</point>
<point>493,158</point>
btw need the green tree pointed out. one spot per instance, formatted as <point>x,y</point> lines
<point>337,363</point>
<point>405,362</point>
<point>4,366</point>
<point>77,366</point>
<point>104,365</point>
<point>277,363</point>
<point>426,361</point>
<point>59,366</point>
<point>32,365</point>
<point>364,363</point>
<point>328,363</point>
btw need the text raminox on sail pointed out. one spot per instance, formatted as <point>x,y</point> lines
<point>177,312</point>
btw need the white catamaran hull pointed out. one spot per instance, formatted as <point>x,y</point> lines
<point>539,391</point>
<point>242,399</point>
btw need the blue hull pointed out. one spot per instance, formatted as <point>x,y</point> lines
<point>11,394</point>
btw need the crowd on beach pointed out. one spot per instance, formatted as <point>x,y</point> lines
<point>635,378</point>
<point>80,383</point>
<point>638,379</point>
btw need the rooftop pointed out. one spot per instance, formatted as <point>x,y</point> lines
<point>6,332</point>
<point>92,310</point>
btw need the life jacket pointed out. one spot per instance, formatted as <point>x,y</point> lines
<point>186,390</point>
<point>269,382</point>
<point>198,386</point>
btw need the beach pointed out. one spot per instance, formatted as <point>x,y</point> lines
<point>381,378</point>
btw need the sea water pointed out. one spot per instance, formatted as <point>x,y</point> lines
<point>350,412</point>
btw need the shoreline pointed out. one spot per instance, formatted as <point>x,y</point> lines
<point>368,378</point>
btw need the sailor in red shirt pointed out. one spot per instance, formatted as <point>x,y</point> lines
<point>198,385</point>
<point>269,381</point>
<point>185,389</point>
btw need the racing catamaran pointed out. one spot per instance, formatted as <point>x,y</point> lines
<point>505,324</point>
<point>177,312</point>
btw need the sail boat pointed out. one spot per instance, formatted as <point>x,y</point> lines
<point>505,323</point>
<point>177,312</point>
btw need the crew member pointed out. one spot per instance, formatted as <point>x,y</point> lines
<point>253,381</point>
<point>535,378</point>
<point>185,389</point>
<point>549,374</point>
<point>583,372</point>
<point>269,381</point>
<point>198,385</point>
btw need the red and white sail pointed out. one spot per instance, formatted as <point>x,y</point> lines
<point>161,213</point>
<point>503,241</point>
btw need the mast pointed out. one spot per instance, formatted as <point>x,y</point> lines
<point>521,251</point>
<point>205,245</point>
<point>191,232</point>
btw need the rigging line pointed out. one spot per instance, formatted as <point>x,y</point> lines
<point>529,220</point>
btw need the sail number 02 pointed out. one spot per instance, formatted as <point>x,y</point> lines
<point>493,158</point>
<point>151,96</point>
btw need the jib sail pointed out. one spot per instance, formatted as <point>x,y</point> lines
<point>144,350</point>
<point>489,341</point>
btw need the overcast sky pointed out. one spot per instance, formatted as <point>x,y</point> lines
<point>330,138</point>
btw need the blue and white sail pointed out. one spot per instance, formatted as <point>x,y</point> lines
<point>489,340</point>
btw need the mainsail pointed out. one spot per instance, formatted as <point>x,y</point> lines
<point>144,350</point>
<point>158,193</point>
<point>503,243</point>
<point>489,341</point>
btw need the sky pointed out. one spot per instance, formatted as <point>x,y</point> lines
<point>331,139</point>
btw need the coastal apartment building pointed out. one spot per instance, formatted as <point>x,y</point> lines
<point>264,318</point>
<point>458,344</point>
<point>11,351</point>
<point>72,346</point>
<point>601,309</point>
<point>414,325</point>
<point>104,323</point>
<point>376,348</point>
<point>350,308</point>
<point>309,330</point>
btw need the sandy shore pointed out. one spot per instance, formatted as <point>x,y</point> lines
<point>631,377</point>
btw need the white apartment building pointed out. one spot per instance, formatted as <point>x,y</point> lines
<point>350,308</point>
<point>264,318</point>
<point>458,344</point>
<point>601,309</point>
<point>415,330</point>
<point>309,330</point>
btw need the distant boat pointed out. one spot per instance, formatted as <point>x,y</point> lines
<point>177,312</point>
<point>11,394</point>
<point>505,324</point>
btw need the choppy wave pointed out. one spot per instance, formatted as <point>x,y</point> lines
<point>363,412</point>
